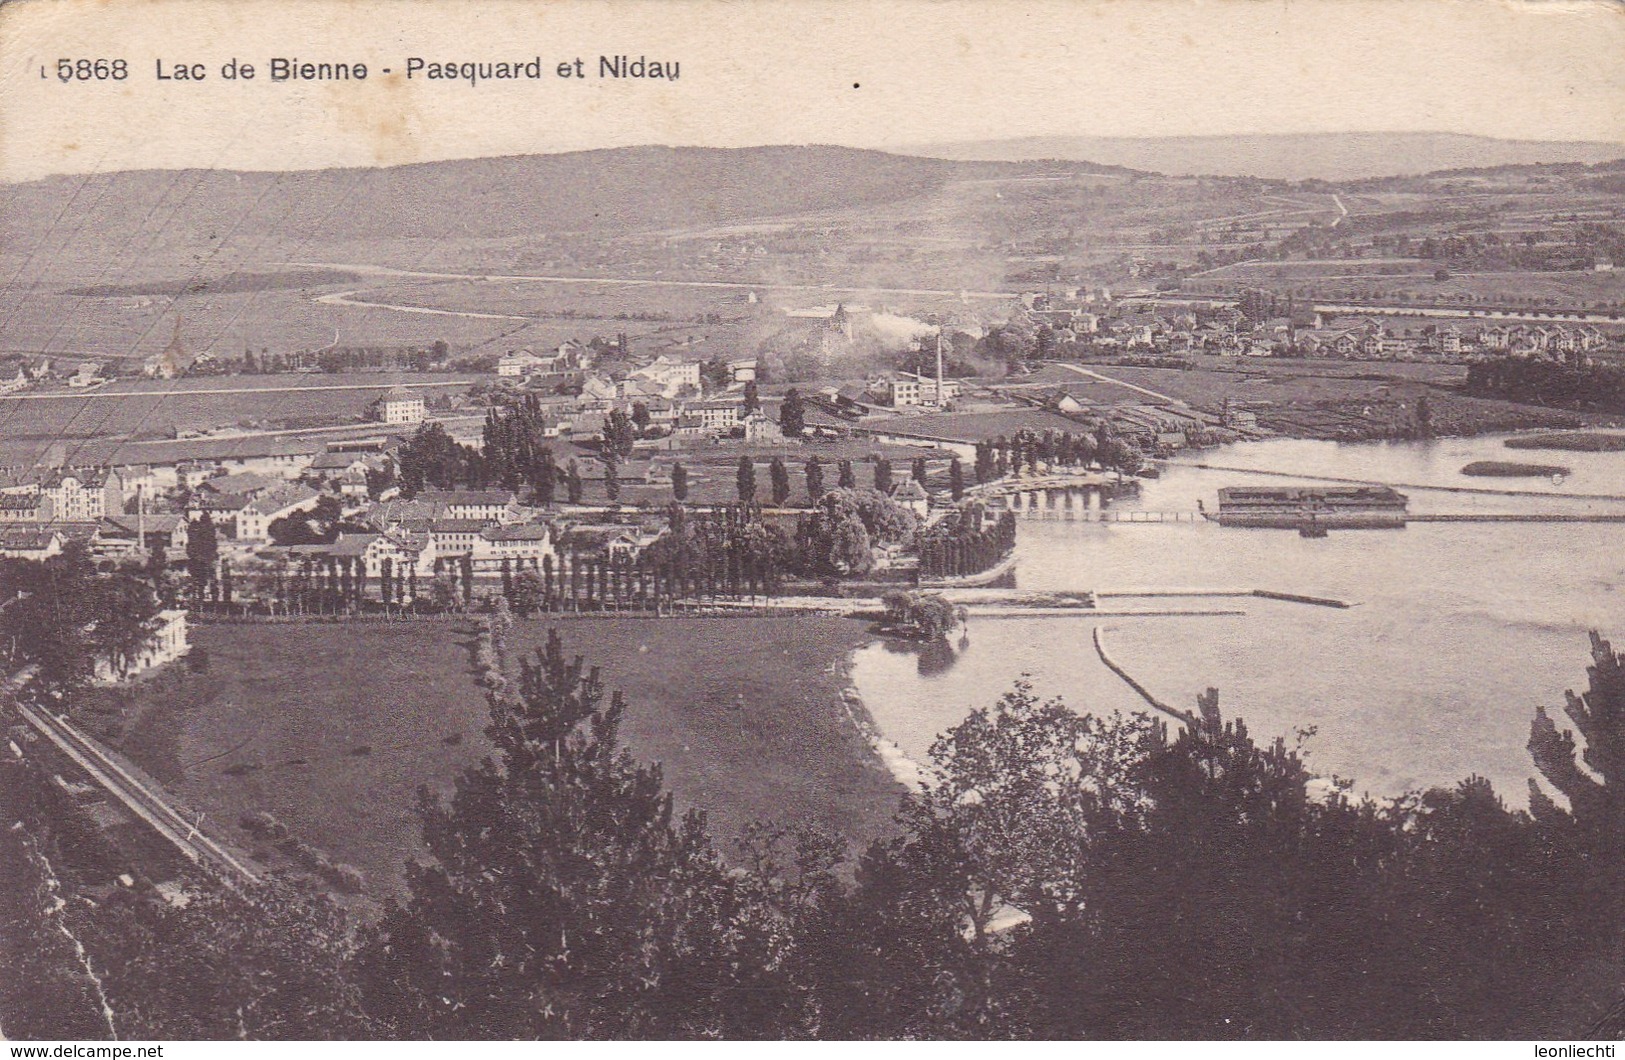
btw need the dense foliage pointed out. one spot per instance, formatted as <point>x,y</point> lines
<point>1064,875</point>
<point>64,618</point>
<point>1597,387</point>
<point>966,541</point>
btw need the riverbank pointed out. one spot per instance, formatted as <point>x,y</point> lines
<point>1572,441</point>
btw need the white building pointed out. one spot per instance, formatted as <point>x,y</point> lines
<point>483,506</point>
<point>166,643</point>
<point>89,374</point>
<point>517,365</point>
<point>715,415</point>
<point>928,390</point>
<point>670,375</point>
<point>255,518</point>
<point>401,406</point>
<point>83,495</point>
<point>759,427</point>
<point>29,542</point>
<point>903,392</point>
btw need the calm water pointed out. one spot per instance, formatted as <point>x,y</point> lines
<point>1459,631</point>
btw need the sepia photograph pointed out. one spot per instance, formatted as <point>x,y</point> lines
<point>830,520</point>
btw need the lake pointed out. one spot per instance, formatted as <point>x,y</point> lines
<point>1459,630</point>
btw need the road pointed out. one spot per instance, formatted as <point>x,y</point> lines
<point>344,298</point>
<point>623,281</point>
<point>1119,382</point>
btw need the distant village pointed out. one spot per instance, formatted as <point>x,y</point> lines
<point>629,435</point>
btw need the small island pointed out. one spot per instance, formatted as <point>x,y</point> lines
<point>1512,469</point>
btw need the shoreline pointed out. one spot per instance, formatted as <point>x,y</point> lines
<point>891,757</point>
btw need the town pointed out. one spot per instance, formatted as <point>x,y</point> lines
<point>304,554</point>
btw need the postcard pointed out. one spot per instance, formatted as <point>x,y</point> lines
<point>820,520</point>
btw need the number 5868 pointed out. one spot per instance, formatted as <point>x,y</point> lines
<point>92,70</point>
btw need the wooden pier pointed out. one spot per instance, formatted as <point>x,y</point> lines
<point>1518,517</point>
<point>1106,515</point>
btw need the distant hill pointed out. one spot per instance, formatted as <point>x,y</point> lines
<point>1328,156</point>
<point>601,192</point>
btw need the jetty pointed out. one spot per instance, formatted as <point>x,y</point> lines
<point>1481,490</point>
<point>1183,716</point>
<point>1519,517</point>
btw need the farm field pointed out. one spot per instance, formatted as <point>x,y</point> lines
<point>124,330</point>
<point>743,714</point>
<point>977,426</point>
<point>151,409</point>
<point>1412,281</point>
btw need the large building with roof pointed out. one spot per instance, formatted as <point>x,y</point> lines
<point>400,405</point>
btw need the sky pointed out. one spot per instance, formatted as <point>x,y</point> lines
<point>862,73</point>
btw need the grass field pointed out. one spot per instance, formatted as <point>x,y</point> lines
<point>333,728</point>
<point>1411,280</point>
<point>158,408</point>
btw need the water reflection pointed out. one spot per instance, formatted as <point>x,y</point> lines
<point>932,658</point>
<point>1459,629</point>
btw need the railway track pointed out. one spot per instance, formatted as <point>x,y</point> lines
<point>141,800</point>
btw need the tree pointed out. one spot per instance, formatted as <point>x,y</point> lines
<point>564,898</point>
<point>64,618</point>
<point>269,963</point>
<point>715,374</point>
<point>619,435</point>
<point>753,400</point>
<point>679,482</point>
<point>442,592</point>
<point>572,483</point>
<point>956,479</point>
<point>918,470</point>
<point>793,414</point>
<point>1018,795</point>
<point>745,480</point>
<point>432,459</point>
<point>833,539</point>
<point>925,615</point>
<point>883,475</point>
<point>529,592</point>
<point>846,479</point>
<point>157,565</point>
<point>815,479</point>
<point>612,482</point>
<point>779,478</point>
<point>202,551</point>
<point>640,416</point>
<point>545,481</point>
<point>1596,802</point>
<point>1424,417</point>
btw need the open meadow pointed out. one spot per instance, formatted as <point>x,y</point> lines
<point>33,422</point>
<point>333,728</point>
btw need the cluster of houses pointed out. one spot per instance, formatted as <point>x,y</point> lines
<point>1367,339</point>
<point>576,391</point>
<point>127,512</point>
<point>1150,325</point>
<point>79,376</point>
